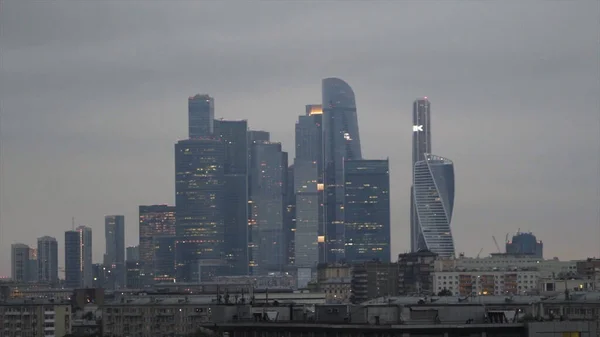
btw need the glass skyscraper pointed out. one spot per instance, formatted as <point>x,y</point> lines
<point>155,221</point>
<point>433,190</point>
<point>201,113</point>
<point>367,210</point>
<point>199,205</point>
<point>308,188</point>
<point>47,260</point>
<point>114,232</point>
<point>73,259</point>
<point>341,142</point>
<point>268,203</point>
<point>234,135</point>
<point>421,144</point>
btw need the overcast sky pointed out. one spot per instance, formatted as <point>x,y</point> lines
<point>93,96</point>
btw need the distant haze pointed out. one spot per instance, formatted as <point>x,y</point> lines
<point>93,96</point>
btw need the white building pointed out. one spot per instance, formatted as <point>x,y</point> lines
<point>546,268</point>
<point>494,282</point>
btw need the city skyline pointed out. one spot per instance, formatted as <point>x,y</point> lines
<point>503,109</point>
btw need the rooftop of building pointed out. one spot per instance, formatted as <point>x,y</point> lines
<point>573,297</point>
<point>32,301</point>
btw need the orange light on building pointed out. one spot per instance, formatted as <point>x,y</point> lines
<point>316,110</point>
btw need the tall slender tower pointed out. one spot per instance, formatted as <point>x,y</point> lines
<point>341,142</point>
<point>87,274</point>
<point>234,135</point>
<point>199,208</point>
<point>114,229</point>
<point>309,238</point>
<point>421,144</point>
<point>47,260</point>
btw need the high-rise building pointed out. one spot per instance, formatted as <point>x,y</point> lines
<point>421,144</point>
<point>289,217</point>
<point>254,136</point>
<point>269,168</point>
<point>308,189</point>
<point>73,259</point>
<point>114,230</point>
<point>132,253</point>
<point>47,260</point>
<point>433,190</point>
<point>86,255</point>
<point>155,221</point>
<point>199,205</point>
<point>20,266</point>
<point>201,113</point>
<point>78,258</point>
<point>525,244</point>
<point>341,142</point>
<point>163,267</point>
<point>33,265</point>
<point>234,135</point>
<point>367,210</point>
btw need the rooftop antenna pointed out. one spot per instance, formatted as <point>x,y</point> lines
<point>73,222</point>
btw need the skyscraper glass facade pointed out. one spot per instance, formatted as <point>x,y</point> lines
<point>155,221</point>
<point>310,247</point>
<point>341,142</point>
<point>433,187</point>
<point>114,232</point>
<point>48,260</point>
<point>421,144</point>
<point>73,259</point>
<point>201,113</point>
<point>199,204</point>
<point>367,210</point>
<point>269,168</point>
<point>234,135</point>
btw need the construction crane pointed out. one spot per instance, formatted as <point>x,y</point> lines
<point>496,243</point>
<point>481,250</point>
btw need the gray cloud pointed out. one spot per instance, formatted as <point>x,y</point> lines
<point>93,97</point>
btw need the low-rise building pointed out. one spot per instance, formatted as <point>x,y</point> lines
<point>415,274</point>
<point>495,282</point>
<point>35,317</point>
<point>501,261</point>
<point>374,279</point>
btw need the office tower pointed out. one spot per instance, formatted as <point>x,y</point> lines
<point>155,221</point>
<point>525,244</point>
<point>85,246</point>
<point>47,260</point>
<point>114,231</point>
<point>433,189</point>
<point>341,142</point>
<point>163,267</point>
<point>234,135</point>
<point>199,205</point>
<point>367,210</point>
<point>201,113</point>
<point>421,144</point>
<point>133,274</point>
<point>268,169</point>
<point>132,253</point>
<point>78,258</point>
<point>20,267</point>
<point>254,136</point>
<point>73,259</point>
<point>289,217</point>
<point>32,267</point>
<point>308,189</point>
